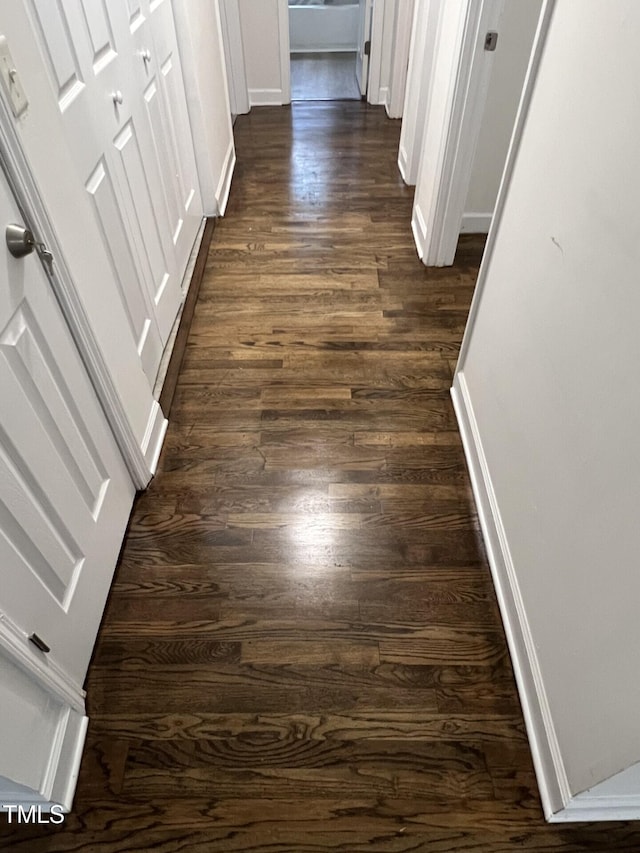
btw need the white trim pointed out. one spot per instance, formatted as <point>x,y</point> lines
<point>266,97</point>
<point>468,88</point>
<point>15,643</point>
<point>375,57</point>
<point>154,437</point>
<point>64,763</point>
<point>550,772</point>
<point>394,102</point>
<point>419,228</point>
<point>476,223</point>
<point>234,57</point>
<point>425,28</point>
<point>403,164</point>
<point>285,47</point>
<point>24,188</point>
<point>224,185</point>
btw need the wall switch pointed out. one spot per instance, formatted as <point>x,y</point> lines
<point>10,80</point>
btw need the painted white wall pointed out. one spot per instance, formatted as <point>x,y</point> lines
<point>265,37</point>
<point>199,32</point>
<point>418,87</point>
<point>322,29</point>
<point>547,387</point>
<point>515,41</point>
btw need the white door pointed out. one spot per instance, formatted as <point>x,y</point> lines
<point>123,115</point>
<point>364,45</point>
<point>65,494</point>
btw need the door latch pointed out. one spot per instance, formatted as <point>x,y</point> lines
<point>39,643</point>
<point>45,256</point>
<point>491,40</point>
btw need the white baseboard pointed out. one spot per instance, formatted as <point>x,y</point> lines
<point>403,166</point>
<point>224,186</point>
<point>476,223</point>
<point>266,97</point>
<point>65,764</point>
<point>419,228</point>
<point>550,772</point>
<point>154,436</point>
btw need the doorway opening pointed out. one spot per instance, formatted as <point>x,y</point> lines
<point>326,48</point>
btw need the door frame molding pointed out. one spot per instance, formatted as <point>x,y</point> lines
<point>402,38</point>
<point>437,229</point>
<point>285,51</point>
<point>140,460</point>
<point>234,57</point>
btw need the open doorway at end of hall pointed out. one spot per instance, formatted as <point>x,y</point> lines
<point>325,44</point>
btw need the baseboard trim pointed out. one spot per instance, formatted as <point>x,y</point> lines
<point>224,186</point>
<point>266,97</point>
<point>419,231</point>
<point>154,437</point>
<point>476,223</point>
<point>403,166</point>
<point>180,345</point>
<point>65,764</point>
<point>550,772</point>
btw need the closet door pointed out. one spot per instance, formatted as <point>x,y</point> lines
<point>100,58</point>
<point>65,493</point>
<point>158,73</point>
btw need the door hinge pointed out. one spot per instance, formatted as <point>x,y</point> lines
<point>491,40</point>
<point>39,643</point>
<point>367,48</point>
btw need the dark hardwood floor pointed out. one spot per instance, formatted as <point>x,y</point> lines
<point>302,651</point>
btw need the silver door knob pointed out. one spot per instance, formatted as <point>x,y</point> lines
<point>20,241</point>
<point>146,56</point>
<point>117,97</point>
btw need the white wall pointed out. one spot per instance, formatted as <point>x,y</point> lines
<point>547,390</point>
<point>200,40</point>
<point>265,37</point>
<point>516,33</point>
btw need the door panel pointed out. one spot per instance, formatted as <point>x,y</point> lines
<point>140,190</point>
<point>123,119</point>
<point>100,188</point>
<point>174,147</point>
<point>65,493</point>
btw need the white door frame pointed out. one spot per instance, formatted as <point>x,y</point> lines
<point>402,37</point>
<point>437,228</point>
<point>234,57</point>
<point>285,50</point>
<point>141,464</point>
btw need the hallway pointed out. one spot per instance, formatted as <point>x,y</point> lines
<point>302,650</point>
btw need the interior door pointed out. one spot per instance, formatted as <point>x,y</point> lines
<point>117,119</point>
<point>65,494</point>
<point>163,93</point>
<point>364,45</point>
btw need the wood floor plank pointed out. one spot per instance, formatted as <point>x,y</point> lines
<point>302,651</point>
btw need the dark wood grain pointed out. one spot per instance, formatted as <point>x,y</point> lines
<point>302,650</point>
<point>184,326</point>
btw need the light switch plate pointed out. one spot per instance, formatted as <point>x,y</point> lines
<point>11,81</point>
